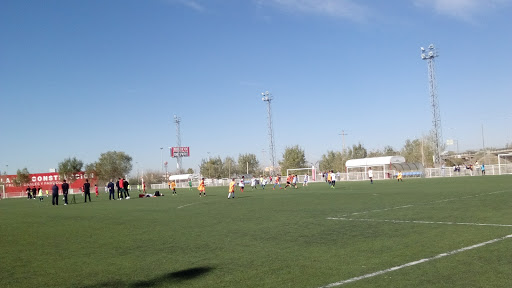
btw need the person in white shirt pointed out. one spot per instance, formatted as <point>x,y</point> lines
<point>370,175</point>
<point>306,180</point>
<point>253,183</point>
<point>242,184</point>
<point>333,179</point>
<point>294,181</point>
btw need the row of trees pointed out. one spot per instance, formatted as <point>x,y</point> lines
<point>418,150</point>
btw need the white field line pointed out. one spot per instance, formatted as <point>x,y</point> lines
<point>189,204</point>
<point>415,262</point>
<point>426,203</point>
<point>421,222</point>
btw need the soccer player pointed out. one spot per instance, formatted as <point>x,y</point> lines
<point>253,183</point>
<point>40,194</point>
<point>173,187</point>
<point>96,190</point>
<point>263,182</point>
<point>333,179</point>
<point>242,184</point>
<point>294,181</point>
<point>288,181</point>
<point>201,187</point>
<point>277,182</point>
<point>232,188</point>
<point>329,177</point>
<point>399,177</point>
<point>483,169</point>
<point>370,174</point>
<point>189,184</point>
<point>306,180</point>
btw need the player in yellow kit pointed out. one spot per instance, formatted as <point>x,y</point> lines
<point>399,176</point>
<point>201,188</point>
<point>173,187</point>
<point>232,188</point>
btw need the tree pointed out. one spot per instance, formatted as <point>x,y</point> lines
<point>357,152</point>
<point>190,171</point>
<point>332,161</point>
<point>152,177</point>
<point>211,168</point>
<point>229,167</point>
<point>293,157</point>
<point>22,177</point>
<point>112,165</point>
<point>419,151</point>
<point>69,167</point>
<point>248,164</point>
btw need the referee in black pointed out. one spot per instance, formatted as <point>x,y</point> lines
<point>87,190</point>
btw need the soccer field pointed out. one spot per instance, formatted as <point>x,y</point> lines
<point>450,232</point>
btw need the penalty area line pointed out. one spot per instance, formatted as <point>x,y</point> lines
<point>189,204</point>
<point>415,262</point>
<point>420,222</point>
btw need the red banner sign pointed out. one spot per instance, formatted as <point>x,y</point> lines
<point>45,181</point>
<point>180,152</point>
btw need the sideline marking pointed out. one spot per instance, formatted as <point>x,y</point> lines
<point>426,203</point>
<point>415,262</point>
<point>189,204</point>
<point>421,222</point>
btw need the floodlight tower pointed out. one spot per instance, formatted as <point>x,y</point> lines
<point>177,121</point>
<point>267,97</point>
<point>429,55</point>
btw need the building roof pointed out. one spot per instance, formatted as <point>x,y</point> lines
<point>375,161</point>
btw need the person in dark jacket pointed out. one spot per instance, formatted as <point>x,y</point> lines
<point>65,191</point>
<point>29,194</point>
<point>55,194</point>
<point>87,190</point>
<point>125,187</point>
<point>34,192</point>
<point>111,189</point>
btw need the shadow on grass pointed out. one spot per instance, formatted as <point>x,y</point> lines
<point>168,278</point>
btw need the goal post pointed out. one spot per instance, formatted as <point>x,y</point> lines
<point>2,191</point>
<point>505,163</point>
<point>301,173</point>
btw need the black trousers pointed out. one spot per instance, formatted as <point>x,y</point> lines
<point>87,194</point>
<point>65,198</point>
<point>111,195</point>
<point>55,198</point>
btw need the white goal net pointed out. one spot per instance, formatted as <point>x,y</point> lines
<point>301,173</point>
<point>505,163</point>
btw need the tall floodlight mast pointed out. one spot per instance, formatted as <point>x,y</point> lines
<point>429,55</point>
<point>177,120</point>
<point>267,97</point>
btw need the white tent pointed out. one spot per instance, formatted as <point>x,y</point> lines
<point>181,177</point>
<point>374,162</point>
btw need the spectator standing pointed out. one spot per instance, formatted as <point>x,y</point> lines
<point>111,189</point>
<point>34,192</point>
<point>65,191</point>
<point>126,185</point>
<point>55,194</point>
<point>87,190</point>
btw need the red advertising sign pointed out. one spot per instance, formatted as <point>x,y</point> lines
<point>46,181</point>
<point>180,152</point>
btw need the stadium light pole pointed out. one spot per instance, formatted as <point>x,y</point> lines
<point>162,159</point>
<point>177,121</point>
<point>343,139</point>
<point>429,55</point>
<point>267,97</point>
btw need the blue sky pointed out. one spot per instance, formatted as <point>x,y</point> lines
<point>78,78</point>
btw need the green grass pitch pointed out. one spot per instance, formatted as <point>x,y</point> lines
<point>266,238</point>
